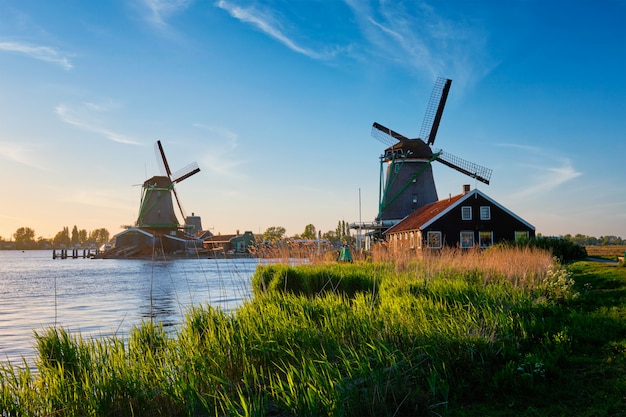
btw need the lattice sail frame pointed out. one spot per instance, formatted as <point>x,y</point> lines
<point>468,168</point>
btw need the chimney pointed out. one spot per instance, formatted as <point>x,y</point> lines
<point>466,188</point>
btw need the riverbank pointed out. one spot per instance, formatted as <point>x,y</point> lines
<point>497,332</point>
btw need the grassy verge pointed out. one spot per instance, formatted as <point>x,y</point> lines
<point>497,332</point>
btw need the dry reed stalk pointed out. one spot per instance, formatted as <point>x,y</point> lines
<point>520,266</point>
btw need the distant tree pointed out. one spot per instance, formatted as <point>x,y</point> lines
<point>62,238</point>
<point>82,236</point>
<point>43,243</point>
<point>74,239</point>
<point>99,236</point>
<point>585,240</point>
<point>343,233</point>
<point>309,232</point>
<point>24,238</point>
<point>274,233</point>
<point>331,236</point>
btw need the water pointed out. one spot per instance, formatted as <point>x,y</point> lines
<point>106,297</point>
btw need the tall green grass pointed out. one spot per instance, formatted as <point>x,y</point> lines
<point>366,339</point>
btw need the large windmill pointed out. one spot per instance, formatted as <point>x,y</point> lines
<point>156,211</point>
<point>408,183</point>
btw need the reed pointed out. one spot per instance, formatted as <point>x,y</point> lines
<point>364,339</point>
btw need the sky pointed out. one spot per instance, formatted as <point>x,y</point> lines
<point>275,101</point>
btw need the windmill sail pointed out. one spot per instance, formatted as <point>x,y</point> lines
<point>163,165</point>
<point>434,111</point>
<point>386,135</point>
<point>466,167</point>
<point>178,176</point>
<point>186,172</point>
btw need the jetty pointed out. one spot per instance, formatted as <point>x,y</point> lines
<point>74,253</point>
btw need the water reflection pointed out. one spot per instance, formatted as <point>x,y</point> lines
<point>107,297</point>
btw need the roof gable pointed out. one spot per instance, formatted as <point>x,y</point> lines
<point>430,213</point>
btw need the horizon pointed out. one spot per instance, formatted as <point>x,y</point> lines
<point>276,101</point>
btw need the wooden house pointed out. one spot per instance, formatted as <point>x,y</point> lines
<point>224,245</point>
<point>468,220</point>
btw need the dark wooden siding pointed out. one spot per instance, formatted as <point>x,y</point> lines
<point>502,224</point>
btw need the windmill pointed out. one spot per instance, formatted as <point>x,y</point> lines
<point>408,183</point>
<point>156,210</point>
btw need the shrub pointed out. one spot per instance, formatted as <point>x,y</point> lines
<point>564,250</point>
<point>311,280</point>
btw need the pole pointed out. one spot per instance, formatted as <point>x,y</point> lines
<point>360,223</point>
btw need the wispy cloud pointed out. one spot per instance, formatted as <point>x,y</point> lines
<point>221,157</point>
<point>421,38</point>
<point>268,23</point>
<point>160,10</point>
<point>83,118</point>
<point>42,53</point>
<point>21,154</point>
<point>548,178</point>
<point>546,171</point>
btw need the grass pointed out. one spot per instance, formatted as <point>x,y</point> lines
<point>499,332</point>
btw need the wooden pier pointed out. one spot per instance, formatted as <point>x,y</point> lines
<point>74,253</point>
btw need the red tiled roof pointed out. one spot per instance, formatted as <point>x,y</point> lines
<point>422,215</point>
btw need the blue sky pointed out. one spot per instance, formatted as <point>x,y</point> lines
<point>275,101</point>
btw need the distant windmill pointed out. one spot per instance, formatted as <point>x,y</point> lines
<point>409,183</point>
<point>156,211</point>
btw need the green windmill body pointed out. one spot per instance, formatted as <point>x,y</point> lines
<point>157,208</point>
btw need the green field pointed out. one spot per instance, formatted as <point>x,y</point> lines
<point>501,332</point>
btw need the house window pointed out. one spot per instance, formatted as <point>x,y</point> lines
<point>412,240</point>
<point>433,240</point>
<point>467,239</point>
<point>485,213</point>
<point>521,235</point>
<point>485,238</point>
<point>466,213</point>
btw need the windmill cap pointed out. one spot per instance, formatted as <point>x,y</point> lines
<point>158,181</point>
<point>417,148</point>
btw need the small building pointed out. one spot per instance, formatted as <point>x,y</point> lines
<point>225,245</point>
<point>468,220</point>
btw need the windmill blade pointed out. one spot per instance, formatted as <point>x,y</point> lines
<point>185,172</point>
<point>437,102</point>
<point>180,206</point>
<point>466,167</point>
<point>163,165</point>
<point>386,135</point>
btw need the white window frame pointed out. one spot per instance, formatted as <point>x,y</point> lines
<point>521,234</point>
<point>466,233</point>
<point>485,213</point>
<point>466,213</point>
<point>429,241</point>
<point>480,240</point>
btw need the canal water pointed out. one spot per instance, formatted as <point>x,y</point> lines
<point>107,297</point>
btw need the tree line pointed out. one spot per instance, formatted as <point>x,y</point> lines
<point>584,240</point>
<point>340,235</point>
<point>24,238</point>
